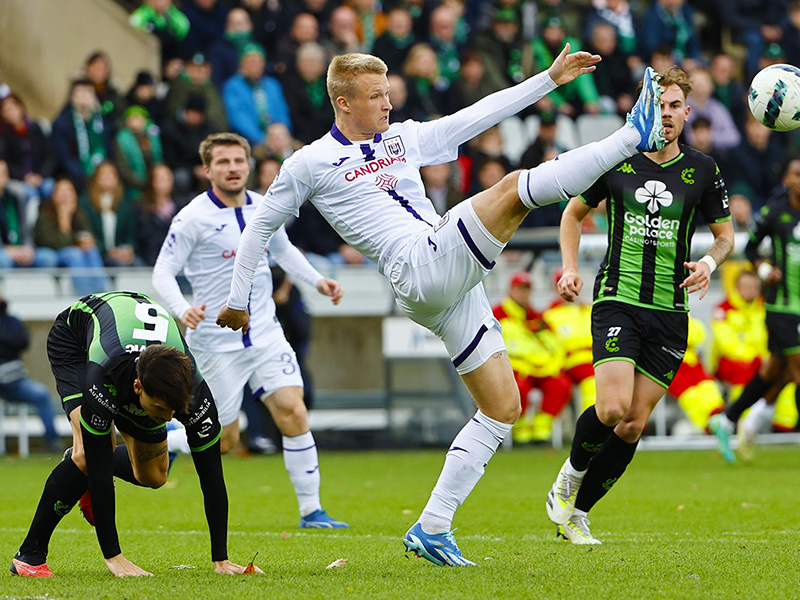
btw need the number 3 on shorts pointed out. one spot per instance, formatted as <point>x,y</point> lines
<point>155,320</point>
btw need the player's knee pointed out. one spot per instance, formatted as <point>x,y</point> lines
<point>154,479</point>
<point>630,431</point>
<point>610,413</point>
<point>79,458</point>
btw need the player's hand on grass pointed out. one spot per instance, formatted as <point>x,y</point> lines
<point>235,319</point>
<point>567,67</point>
<point>193,315</point>
<point>699,278</point>
<point>569,285</point>
<point>332,288</point>
<point>122,567</point>
<point>226,567</point>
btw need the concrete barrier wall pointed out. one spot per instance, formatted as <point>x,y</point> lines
<point>44,44</point>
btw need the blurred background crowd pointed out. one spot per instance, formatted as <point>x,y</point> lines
<point>98,183</point>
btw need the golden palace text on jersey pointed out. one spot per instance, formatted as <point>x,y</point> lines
<point>652,209</point>
<point>115,328</point>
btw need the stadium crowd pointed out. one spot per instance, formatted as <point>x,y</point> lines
<point>98,184</point>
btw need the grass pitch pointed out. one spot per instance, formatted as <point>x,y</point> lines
<point>678,525</point>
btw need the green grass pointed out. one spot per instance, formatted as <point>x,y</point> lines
<point>678,525</point>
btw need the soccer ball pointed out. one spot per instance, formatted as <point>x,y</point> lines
<point>774,97</point>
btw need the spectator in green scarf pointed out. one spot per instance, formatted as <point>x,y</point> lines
<point>137,149</point>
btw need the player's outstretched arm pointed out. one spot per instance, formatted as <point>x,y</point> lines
<point>331,288</point>
<point>122,567</point>
<point>567,67</point>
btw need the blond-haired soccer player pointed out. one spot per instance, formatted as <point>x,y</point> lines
<point>364,178</point>
<point>202,243</point>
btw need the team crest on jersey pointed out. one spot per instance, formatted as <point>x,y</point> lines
<point>386,182</point>
<point>654,193</point>
<point>394,146</point>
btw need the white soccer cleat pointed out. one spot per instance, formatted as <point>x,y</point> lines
<point>576,531</point>
<point>561,497</point>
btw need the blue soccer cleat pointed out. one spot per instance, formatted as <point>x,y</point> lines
<point>439,548</point>
<point>645,116</point>
<point>320,519</point>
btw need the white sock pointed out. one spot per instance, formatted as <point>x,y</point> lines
<point>177,441</point>
<point>302,464</point>
<point>466,460</point>
<point>580,513</point>
<point>759,416</point>
<point>574,172</point>
<point>573,472</point>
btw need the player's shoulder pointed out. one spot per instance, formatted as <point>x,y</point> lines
<point>695,156</point>
<point>196,208</point>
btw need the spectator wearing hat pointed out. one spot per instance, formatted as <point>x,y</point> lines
<point>82,137</point>
<point>578,96</point>
<point>393,45</point>
<point>181,137</point>
<point>163,19</point>
<point>224,53</point>
<point>206,23</point>
<point>143,93</point>
<point>254,100</point>
<point>771,54</point>
<point>137,148</point>
<point>569,12</point>
<point>196,79</point>
<point>501,47</point>
<point>306,94</point>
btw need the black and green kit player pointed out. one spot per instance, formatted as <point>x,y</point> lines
<point>640,311</point>
<point>119,360</point>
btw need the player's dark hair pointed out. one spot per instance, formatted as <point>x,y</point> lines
<point>165,373</point>
<point>222,139</point>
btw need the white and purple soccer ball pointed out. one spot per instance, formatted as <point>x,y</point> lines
<point>774,97</point>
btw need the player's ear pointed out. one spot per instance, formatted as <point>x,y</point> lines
<point>137,386</point>
<point>343,104</point>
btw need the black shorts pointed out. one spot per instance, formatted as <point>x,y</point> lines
<point>653,340</point>
<point>69,363</point>
<point>67,357</point>
<point>784,333</point>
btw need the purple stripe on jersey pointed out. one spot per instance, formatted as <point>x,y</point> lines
<point>249,198</point>
<point>240,220</point>
<point>407,205</point>
<point>213,197</point>
<point>257,394</point>
<point>471,347</point>
<point>377,138</point>
<point>368,152</point>
<point>473,246</point>
<point>339,136</point>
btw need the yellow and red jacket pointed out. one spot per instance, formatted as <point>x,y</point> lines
<point>533,348</point>
<point>740,331</point>
<point>572,325</point>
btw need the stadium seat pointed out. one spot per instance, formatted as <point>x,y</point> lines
<point>29,284</point>
<point>515,138</point>
<point>592,128</point>
<point>14,423</point>
<point>566,133</point>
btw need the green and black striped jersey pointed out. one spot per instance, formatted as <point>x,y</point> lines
<point>651,211</point>
<point>781,222</point>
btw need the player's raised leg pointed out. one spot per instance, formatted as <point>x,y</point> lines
<point>573,172</point>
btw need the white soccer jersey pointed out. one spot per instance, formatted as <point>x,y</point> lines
<point>202,242</point>
<point>371,192</point>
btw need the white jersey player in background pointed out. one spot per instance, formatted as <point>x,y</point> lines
<point>202,243</point>
<point>363,177</point>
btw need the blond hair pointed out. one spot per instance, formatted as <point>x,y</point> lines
<point>221,139</point>
<point>343,72</point>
